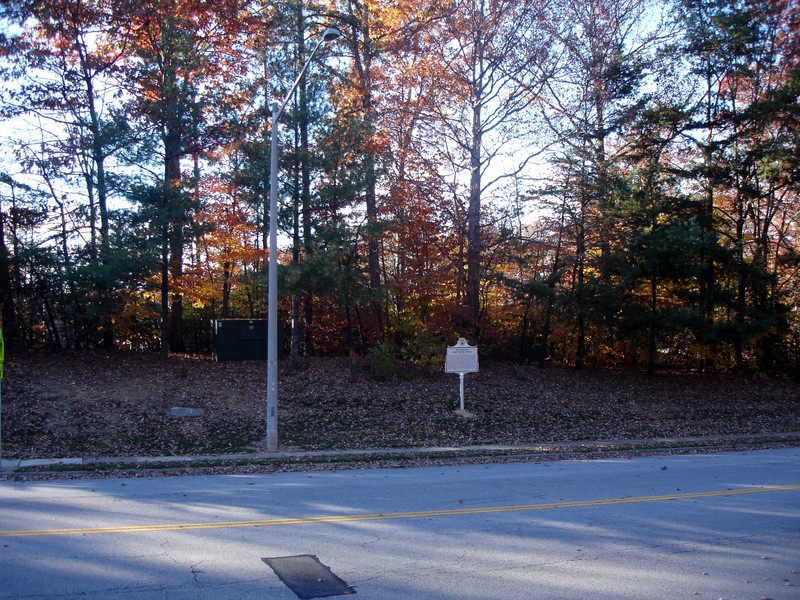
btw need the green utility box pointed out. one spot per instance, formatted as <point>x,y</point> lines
<point>241,339</point>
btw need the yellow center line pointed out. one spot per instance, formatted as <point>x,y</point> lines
<point>387,516</point>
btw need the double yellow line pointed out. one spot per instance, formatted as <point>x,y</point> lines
<point>386,516</point>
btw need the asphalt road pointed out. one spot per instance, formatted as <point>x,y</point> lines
<point>701,526</point>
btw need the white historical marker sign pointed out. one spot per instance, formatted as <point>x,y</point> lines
<point>461,358</point>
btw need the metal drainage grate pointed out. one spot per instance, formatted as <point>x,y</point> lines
<point>307,577</point>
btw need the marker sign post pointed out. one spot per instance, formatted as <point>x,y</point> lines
<point>461,358</point>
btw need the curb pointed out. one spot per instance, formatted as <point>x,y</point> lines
<point>477,451</point>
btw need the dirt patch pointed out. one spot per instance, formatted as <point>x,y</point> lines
<point>89,404</point>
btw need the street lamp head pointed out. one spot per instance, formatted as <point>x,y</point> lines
<point>330,34</point>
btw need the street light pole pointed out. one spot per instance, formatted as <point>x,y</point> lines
<point>271,442</point>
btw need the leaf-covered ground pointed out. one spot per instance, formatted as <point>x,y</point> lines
<point>72,404</point>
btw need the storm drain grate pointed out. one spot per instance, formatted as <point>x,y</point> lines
<point>307,577</point>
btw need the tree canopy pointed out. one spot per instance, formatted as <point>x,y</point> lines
<point>562,182</point>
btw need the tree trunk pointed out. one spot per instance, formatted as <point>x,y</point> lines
<point>24,326</point>
<point>98,185</point>
<point>176,245</point>
<point>371,180</point>
<point>363,52</point>
<point>165,325</point>
<point>551,285</point>
<point>652,347</point>
<point>77,310</point>
<point>302,178</point>
<point>474,245</point>
<point>474,227</point>
<point>8,316</point>
<point>580,350</point>
<point>306,210</point>
<point>226,290</point>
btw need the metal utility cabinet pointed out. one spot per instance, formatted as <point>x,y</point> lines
<point>240,339</point>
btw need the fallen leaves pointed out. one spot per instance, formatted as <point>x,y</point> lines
<point>93,404</point>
